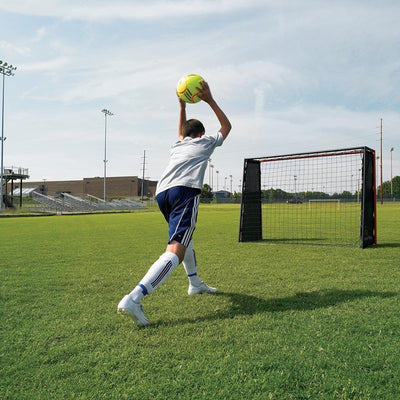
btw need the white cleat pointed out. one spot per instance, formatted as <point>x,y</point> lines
<point>203,288</point>
<point>135,310</point>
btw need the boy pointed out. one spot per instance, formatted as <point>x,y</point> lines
<point>178,194</point>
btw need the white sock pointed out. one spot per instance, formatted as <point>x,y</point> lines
<point>155,276</point>
<point>190,265</point>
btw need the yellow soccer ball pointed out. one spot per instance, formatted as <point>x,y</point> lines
<point>187,88</point>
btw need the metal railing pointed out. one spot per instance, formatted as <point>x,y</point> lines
<point>15,171</point>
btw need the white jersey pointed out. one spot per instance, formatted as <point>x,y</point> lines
<point>188,162</point>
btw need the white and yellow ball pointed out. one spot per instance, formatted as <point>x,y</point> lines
<point>187,88</point>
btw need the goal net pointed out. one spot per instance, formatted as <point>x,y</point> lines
<point>325,197</point>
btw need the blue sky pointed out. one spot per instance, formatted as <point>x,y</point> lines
<point>292,77</point>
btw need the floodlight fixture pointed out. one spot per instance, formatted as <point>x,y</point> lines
<point>6,69</point>
<point>106,112</point>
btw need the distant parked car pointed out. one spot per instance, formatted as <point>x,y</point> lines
<point>294,200</point>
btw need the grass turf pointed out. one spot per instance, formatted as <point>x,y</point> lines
<point>288,321</point>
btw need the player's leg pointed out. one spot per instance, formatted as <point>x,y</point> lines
<point>190,265</point>
<point>154,278</point>
<point>196,286</point>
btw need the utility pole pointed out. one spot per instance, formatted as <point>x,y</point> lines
<point>143,171</point>
<point>380,160</point>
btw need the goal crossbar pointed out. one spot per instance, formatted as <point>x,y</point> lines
<point>314,154</point>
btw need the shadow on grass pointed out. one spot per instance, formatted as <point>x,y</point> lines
<point>245,304</point>
<point>242,304</point>
<point>385,245</point>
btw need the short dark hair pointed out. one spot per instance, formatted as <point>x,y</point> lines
<point>192,128</point>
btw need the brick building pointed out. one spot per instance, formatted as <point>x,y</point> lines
<point>121,186</point>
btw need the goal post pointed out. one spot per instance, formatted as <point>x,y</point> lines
<point>320,203</point>
<point>325,197</point>
<point>250,226</point>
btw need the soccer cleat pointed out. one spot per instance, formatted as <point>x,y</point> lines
<point>135,310</point>
<point>203,288</point>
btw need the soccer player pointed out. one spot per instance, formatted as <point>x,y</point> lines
<point>178,195</point>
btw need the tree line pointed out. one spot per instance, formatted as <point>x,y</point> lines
<point>278,195</point>
<point>387,188</point>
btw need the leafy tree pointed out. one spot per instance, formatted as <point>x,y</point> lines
<point>236,197</point>
<point>387,188</point>
<point>206,195</point>
<point>271,195</point>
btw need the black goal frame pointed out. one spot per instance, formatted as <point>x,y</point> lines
<point>251,205</point>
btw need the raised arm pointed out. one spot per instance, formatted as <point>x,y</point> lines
<point>222,118</point>
<point>182,117</point>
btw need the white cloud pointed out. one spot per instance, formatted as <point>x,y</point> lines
<point>8,47</point>
<point>45,65</point>
<point>39,34</point>
<point>132,10</point>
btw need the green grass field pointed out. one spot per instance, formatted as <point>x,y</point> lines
<point>322,222</point>
<point>288,321</point>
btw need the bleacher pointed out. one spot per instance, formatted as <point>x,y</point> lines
<point>68,203</point>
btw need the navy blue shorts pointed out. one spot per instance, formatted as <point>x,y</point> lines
<point>180,206</point>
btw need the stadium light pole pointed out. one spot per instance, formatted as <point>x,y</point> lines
<point>209,172</point>
<point>391,173</point>
<point>5,70</point>
<point>358,184</point>
<point>380,160</point>
<point>106,113</point>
